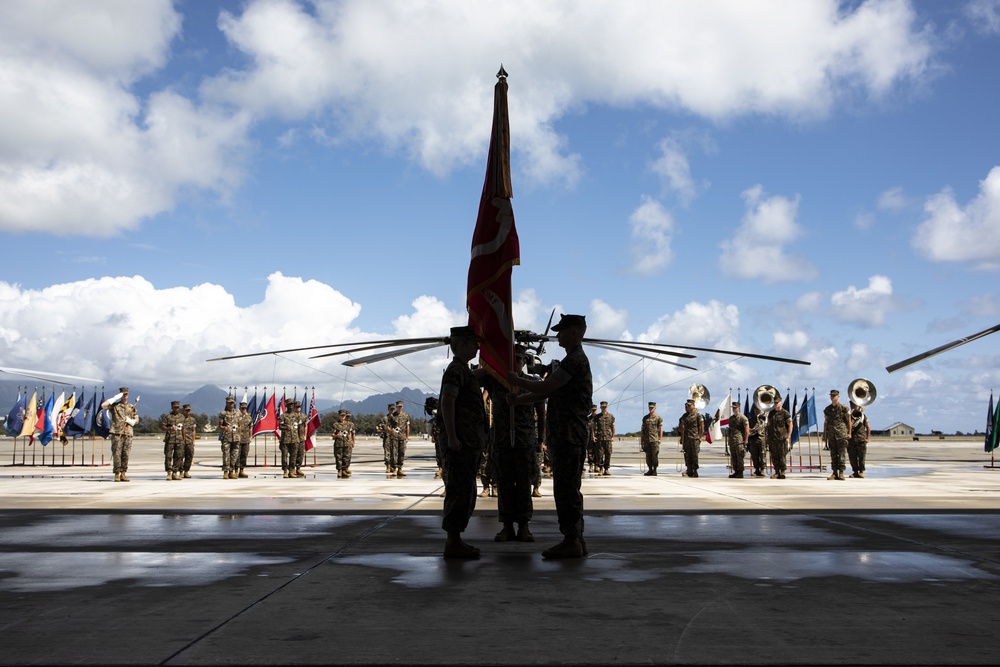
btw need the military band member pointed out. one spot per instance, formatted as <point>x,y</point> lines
<point>649,439</point>
<point>857,447</point>
<point>343,444</point>
<point>836,433</point>
<point>189,434</point>
<point>123,417</point>
<point>757,442</point>
<point>463,416</point>
<point>229,426</point>
<point>737,435</point>
<point>778,435</point>
<point>569,388</point>
<point>691,428</point>
<point>243,435</point>
<point>172,426</point>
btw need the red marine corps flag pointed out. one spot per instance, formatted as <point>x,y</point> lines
<point>495,248</point>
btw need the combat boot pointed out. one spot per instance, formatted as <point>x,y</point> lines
<point>284,474</point>
<point>243,474</point>
<point>736,475</point>
<point>840,475</point>
<point>437,475</point>
<point>400,473</point>
<point>299,473</point>
<point>833,475</point>
<point>347,473</point>
<point>125,478</point>
<point>506,533</point>
<point>607,472</point>
<point>118,477</point>
<point>170,476</point>
<point>187,475</point>
<point>178,476</point>
<point>861,473</point>
<point>485,492</point>
<point>340,474</point>
<point>454,547</point>
<point>570,547</point>
<point>388,470</point>
<point>536,492</point>
<point>523,534</point>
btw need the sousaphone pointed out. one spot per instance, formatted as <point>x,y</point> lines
<point>764,397</point>
<point>699,394</point>
<point>861,392</point>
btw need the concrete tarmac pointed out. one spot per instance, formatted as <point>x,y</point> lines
<point>902,567</point>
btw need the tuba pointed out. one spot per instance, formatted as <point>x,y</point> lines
<point>861,392</point>
<point>764,398</point>
<point>700,396</point>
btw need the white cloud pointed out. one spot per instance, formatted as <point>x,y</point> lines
<point>128,331</point>
<point>757,248</point>
<point>652,229</point>
<point>867,306</point>
<point>984,15</point>
<point>893,199</point>
<point>914,379</point>
<point>83,151</point>
<point>951,233</point>
<point>79,152</point>
<point>388,69</point>
<point>675,170</point>
<point>605,321</point>
<point>859,357</point>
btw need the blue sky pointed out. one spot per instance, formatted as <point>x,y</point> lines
<point>816,180</point>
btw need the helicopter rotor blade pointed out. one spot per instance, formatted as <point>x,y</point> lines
<point>938,350</point>
<point>655,348</point>
<point>44,376</point>
<point>625,350</point>
<point>377,346</point>
<point>751,355</point>
<point>395,341</point>
<point>361,361</point>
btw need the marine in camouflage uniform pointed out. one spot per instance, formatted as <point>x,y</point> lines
<point>172,426</point>
<point>857,447</point>
<point>400,434</point>
<point>291,439</point>
<point>229,426</point>
<point>778,436</point>
<point>604,434</point>
<point>691,427</point>
<point>123,417</point>
<point>431,409</point>
<point>463,416</point>
<point>591,440</point>
<point>514,462</point>
<point>756,443</point>
<point>737,435</point>
<point>649,439</point>
<point>189,435</point>
<point>569,388</point>
<point>243,435</point>
<point>384,430</point>
<point>836,433</point>
<point>343,444</point>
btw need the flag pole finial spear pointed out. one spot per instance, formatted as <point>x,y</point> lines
<point>502,74</point>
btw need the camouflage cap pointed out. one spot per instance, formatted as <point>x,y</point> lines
<point>604,404</point>
<point>123,390</point>
<point>230,399</point>
<point>834,392</point>
<point>566,321</point>
<point>175,404</point>
<point>652,404</point>
<point>243,404</point>
<point>186,406</point>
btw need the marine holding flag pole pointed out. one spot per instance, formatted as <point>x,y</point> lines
<point>495,249</point>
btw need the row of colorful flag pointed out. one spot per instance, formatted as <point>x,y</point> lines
<point>55,417</point>
<point>804,418</point>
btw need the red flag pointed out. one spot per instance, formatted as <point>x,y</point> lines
<point>268,421</point>
<point>495,248</point>
<point>312,425</point>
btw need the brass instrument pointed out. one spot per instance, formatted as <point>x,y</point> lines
<point>700,395</point>
<point>861,392</point>
<point>764,398</point>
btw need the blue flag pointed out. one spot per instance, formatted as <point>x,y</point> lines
<point>252,409</point>
<point>102,419</point>
<point>15,419</point>
<point>80,423</point>
<point>795,419</point>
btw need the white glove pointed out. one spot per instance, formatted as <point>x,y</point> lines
<point>114,399</point>
<point>130,421</point>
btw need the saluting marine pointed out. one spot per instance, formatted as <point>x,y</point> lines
<point>123,417</point>
<point>172,425</point>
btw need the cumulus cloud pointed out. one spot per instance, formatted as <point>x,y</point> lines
<point>126,330</point>
<point>971,234</point>
<point>673,167</point>
<point>80,153</point>
<point>652,229</point>
<point>757,248</point>
<point>893,199</point>
<point>605,321</point>
<point>388,71</point>
<point>984,15</point>
<point>867,306</point>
